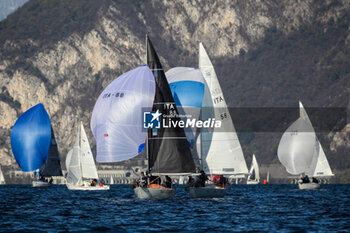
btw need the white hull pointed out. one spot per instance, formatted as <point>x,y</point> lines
<point>40,183</point>
<point>208,191</point>
<point>154,193</point>
<point>87,187</point>
<point>252,182</point>
<point>309,186</point>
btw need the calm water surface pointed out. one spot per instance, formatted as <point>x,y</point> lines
<point>246,208</point>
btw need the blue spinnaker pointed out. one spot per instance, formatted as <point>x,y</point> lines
<point>30,138</point>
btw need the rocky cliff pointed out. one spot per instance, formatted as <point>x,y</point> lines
<point>266,53</point>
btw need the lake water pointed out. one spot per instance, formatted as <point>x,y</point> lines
<point>256,208</point>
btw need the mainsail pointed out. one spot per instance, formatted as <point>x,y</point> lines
<point>52,166</point>
<point>79,161</point>
<point>221,150</point>
<point>168,150</point>
<point>88,167</point>
<point>116,121</point>
<point>300,151</point>
<point>30,138</point>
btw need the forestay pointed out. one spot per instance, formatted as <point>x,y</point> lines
<point>117,121</point>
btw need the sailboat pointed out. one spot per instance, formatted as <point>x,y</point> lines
<point>2,178</point>
<point>80,164</point>
<point>221,152</point>
<point>254,175</point>
<point>33,144</point>
<point>168,151</point>
<point>301,153</point>
<point>52,166</point>
<point>267,180</point>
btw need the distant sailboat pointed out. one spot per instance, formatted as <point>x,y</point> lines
<point>254,175</point>
<point>221,152</point>
<point>33,144</point>
<point>2,178</point>
<point>301,152</point>
<point>81,169</point>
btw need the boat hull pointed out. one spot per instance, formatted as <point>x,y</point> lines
<point>158,193</point>
<point>40,183</point>
<point>252,182</point>
<point>309,186</point>
<point>209,191</point>
<point>87,187</point>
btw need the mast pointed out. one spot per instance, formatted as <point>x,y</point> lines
<point>147,153</point>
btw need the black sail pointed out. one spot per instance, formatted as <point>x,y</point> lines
<point>52,166</point>
<point>168,150</point>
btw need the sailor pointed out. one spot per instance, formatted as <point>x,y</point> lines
<point>94,182</point>
<point>143,180</point>
<point>314,180</point>
<point>203,178</point>
<point>168,182</point>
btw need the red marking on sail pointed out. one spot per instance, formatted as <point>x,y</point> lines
<point>106,135</point>
<point>83,140</point>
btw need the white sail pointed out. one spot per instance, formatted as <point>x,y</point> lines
<point>322,168</point>
<point>74,176</point>
<point>88,166</point>
<point>268,177</point>
<point>300,151</point>
<point>254,173</point>
<point>221,151</point>
<point>2,178</point>
<point>296,147</point>
<point>116,121</point>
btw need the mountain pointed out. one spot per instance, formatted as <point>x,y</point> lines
<point>266,54</point>
<point>9,6</point>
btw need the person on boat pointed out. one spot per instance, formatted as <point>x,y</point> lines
<point>203,178</point>
<point>190,182</point>
<point>219,180</point>
<point>305,179</point>
<point>143,180</point>
<point>168,182</point>
<point>94,182</point>
<point>314,180</point>
<point>50,181</point>
<point>155,180</point>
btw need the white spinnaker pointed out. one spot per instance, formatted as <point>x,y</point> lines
<point>296,147</point>
<point>88,166</point>
<point>224,155</point>
<point>254,167</point>
<point>117,122</point>
<point>74,169</point>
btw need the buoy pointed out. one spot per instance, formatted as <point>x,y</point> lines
<point>265,181</point>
